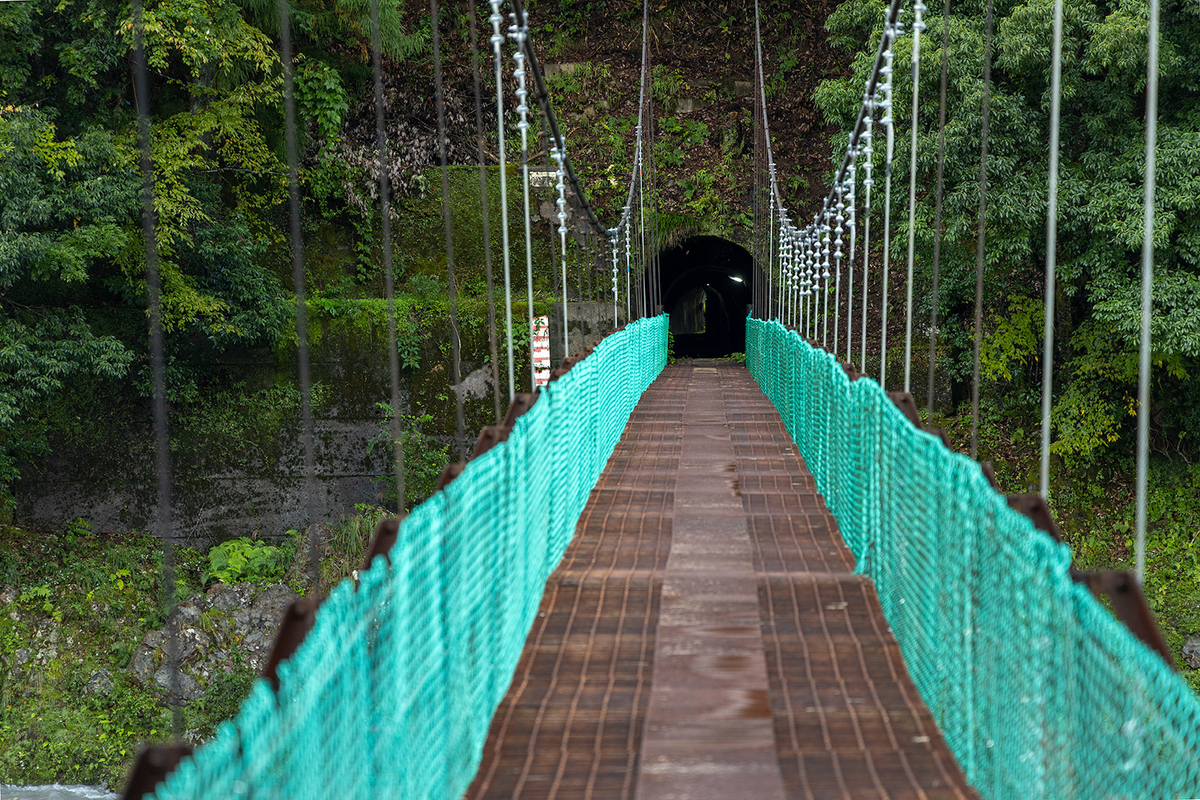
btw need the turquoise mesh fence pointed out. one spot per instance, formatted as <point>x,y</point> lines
<point>392,691</point>
<point>1039,691</point>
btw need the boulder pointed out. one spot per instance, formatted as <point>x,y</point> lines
<point>1191,652</point>
<point>99,683</point>
<point>229,597</point>
<point>185,691</point>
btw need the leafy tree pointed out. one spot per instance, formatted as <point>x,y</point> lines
<point>1100,202</point>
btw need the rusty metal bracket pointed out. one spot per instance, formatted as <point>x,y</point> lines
<point>489,437</point>
<point>152,767</point>
<point>297,621</point>
<point>520,404</point>
<point>941,434</point>
<point>449,473</point>
<point>1128,603</point>
<point>908,407</point>
<point>1034,506</point>
<point>385,535</point>
<point>1129,606</point>
<point>989,472</point>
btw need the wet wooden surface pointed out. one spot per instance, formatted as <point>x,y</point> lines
<point>705,636</point>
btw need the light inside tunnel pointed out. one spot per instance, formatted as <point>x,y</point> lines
<point>706,287</point>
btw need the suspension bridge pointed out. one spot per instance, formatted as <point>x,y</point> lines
<point>705,580</point>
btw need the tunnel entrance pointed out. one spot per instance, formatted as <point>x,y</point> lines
<point>706,286</point>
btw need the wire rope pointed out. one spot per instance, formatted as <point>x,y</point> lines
<point>389,284</point>
<point>558,155</point>
<point>917,28</point>
<point>868,182</point>
<point>887,122</point>
<point>164,519</point>
<point>518,31</point>
<point>455,342</point>
<point>1143,434</point>
<point>1051,245</point>
<point>484,210</point>
<point>852,222</point>
<point>981,225</point>
<point>497,39</point>
<point>298,282</point>
<point>937,208</point>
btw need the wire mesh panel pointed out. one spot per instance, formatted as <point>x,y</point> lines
<point>392,691</point>
<point>1038,690</point>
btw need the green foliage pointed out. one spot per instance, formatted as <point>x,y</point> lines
<point>666,84</point>
<point>345,543</point>
<point>246,560</point>
<point>103,595</point>
<point>1014,340</point>
<point>1100,198</point>
<point>580,83</point>
<point>321,96</point>
<point>423,458</point>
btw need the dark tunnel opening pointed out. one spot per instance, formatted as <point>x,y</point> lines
<point>706,286</point>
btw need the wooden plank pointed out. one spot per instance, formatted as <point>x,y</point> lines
<point>706,533</point>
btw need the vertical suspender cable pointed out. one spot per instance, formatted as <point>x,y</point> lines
<point>289,105</point>
<point>629,294</point>
<point>853,224</point>
<point>757,224</point>
<point>826,229</point>
<point>558,153</point>
<point>519,30</point>
<point>918,27</point>
<point>497,56</point>
<point>587,266</point>
<point>837,285</point>
<point>772,313</point>
<point>1143,436</point>
<point>582,253</point>
<point>389,284</point>
<point>616,292</point>
<point>981,232</point>
<point>937,211</point>
<point>1051,244</point>
<point>483,209</point>
<point>642,236</point>
<point>544,142</point>
<point>455,343</point>
<point>164,519</point>
<point>868,182</point>
<point>887,122</point>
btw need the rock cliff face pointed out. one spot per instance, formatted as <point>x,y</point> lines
<point>230,626</point>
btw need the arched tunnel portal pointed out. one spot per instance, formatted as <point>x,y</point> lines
<point>706,286</point>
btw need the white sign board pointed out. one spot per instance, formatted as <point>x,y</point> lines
<point>541,351</point>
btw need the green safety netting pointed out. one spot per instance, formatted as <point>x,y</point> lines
<point>392,691</point>
<point>1038,690</point>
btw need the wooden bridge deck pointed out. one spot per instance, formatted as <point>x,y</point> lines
<point>705,636</point>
